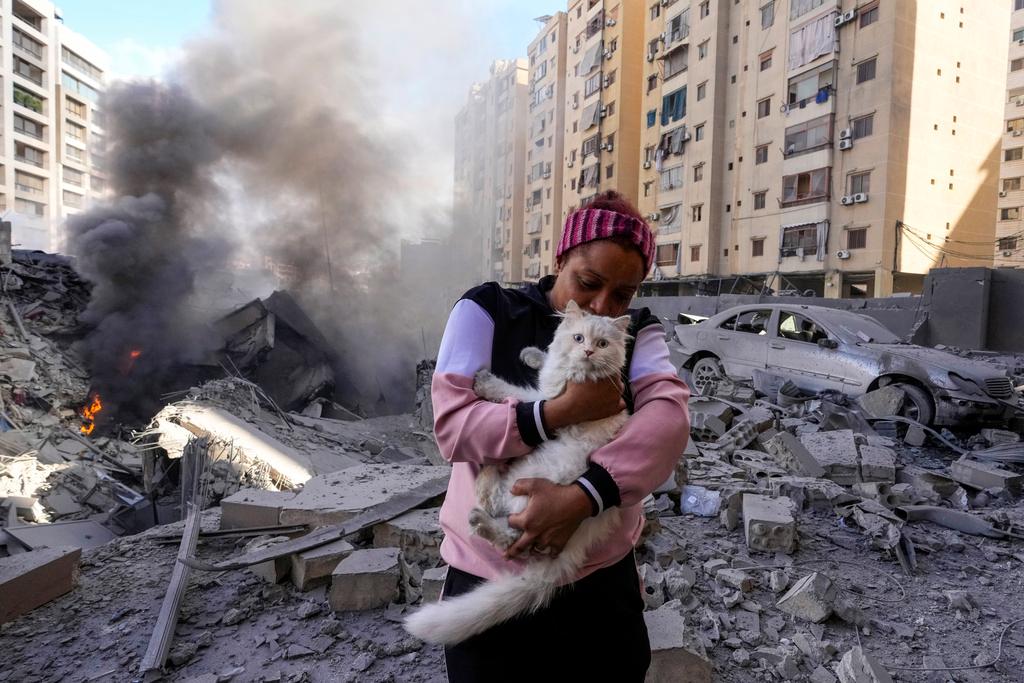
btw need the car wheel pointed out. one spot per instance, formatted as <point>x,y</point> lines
<point>918,404</point>
<point>706,372</point>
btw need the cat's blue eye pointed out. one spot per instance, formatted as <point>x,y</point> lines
<point>602,343</point>
<point>578,338</point>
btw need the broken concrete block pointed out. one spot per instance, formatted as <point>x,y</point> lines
<point>761,417</point>
<point>251,508</point>
<point>712,567</point>
<point>28,580</point>
<point>653,582</point>
<point>915,435</point>
<point>271,571</point>
<point>769,523</point>
<point>981,475</point>
<point>836,452</point>
<point>995,437</point>
<point>791,454</point>
<point>857,666</point>
<point>883,402</point>
<point>778,580</point>
<point>433,582</point>
<point>704,427</point>
<point>314,567</point>
<point>337,496</point>
<point>811,598</point>
<point>822,675</point>
<point>758,465</point>
<point>417,533</point>
<point>927,484</point>
<point>877,464</point>
<point>676,653</point>
<point>808,492</point>
<point>17,369</point>
<point>365,579</point>
<point>738,437</point>
<point>736,578</point>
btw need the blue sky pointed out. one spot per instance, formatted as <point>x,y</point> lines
<point>143,37</point>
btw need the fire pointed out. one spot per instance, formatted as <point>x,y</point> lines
<point>89,414</point>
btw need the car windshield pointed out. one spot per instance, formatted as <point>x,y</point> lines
<point>865,329</point>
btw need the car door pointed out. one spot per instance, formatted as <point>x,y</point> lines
<point>741,342</point>
<point>795,354</point>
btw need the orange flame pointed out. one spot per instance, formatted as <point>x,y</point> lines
<point>89,415</point>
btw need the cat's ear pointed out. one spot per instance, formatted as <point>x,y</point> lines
<point>622,322</point>
<point>573,309</point>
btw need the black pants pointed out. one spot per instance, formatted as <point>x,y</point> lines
<point>593,630</point>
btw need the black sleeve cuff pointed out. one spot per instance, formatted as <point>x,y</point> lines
<point>529,420</point>
<point>595,507</point>
<point>599,485</point>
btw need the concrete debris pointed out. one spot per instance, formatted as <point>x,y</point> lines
<point>314,567</point>
<point>433,582</point>
<point>915,435</point>
<point>417,533</point>
<point>793,455</point>
<point>676,654</point>
<point>857,666</point>
<point>877,464</point>
<point>980,475</point>
<point>882,402</point>
<point>996,437</point>
<point>836,453</point>
<point>769,523</point>
<point>28,580</point>
<point>810,599</point>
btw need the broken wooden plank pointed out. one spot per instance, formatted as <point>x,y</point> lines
<point>383,512</point>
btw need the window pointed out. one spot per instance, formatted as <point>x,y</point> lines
<point>1013,154</point>
<point>702,49</point>
<point>702,90</point>
<point>667,254</point>
<point>805,187</point>
<point>30,184</point>
<point>29,45</point>
<point>1018,5</point>
<point>29,127</point>
<point>757,247</point>
<point>866,70</point>
<point>29,207</point>
<point>1009,214</point>
<point>74,107</point>
<point>592,85</point>
<point>695,253</point>
<point>698,133</point>
<point>76,86</point>
<point>796,327</point>
<point>676,61</point>
<point>768,15</point>
<point>808,86</point>
<point>868,15</point>
<point>761,154</point>
<point>1007,243</point>
<point>678,27</point>
<point>75,131</point>
<point>857,239</point>
<point>705,9</point>
<point>1017,64</point>
<point>608,171</point>
<point>671,178</point>
<point>695,212</point>
<point>30,155</point>
<point>808,136</point>
<point>609,109</point>
<point>764,107</point>
<point>26,99</point>
<point>1018,35</point>
<point>655,10</point>
<point>1014,125</point>
<point>97,184</point>
<point>860,182</point>
<point>752,322</point>
<point>673,106</point>
<point>27,14</point>
<point>698,173</point>
<point>595,24</point>
<point>1011,184</point>
<point>798,8</point>
<point>652,82</point>
<point>797,238</point>
<point>766,61</point>
<point>72,199</point>
<point>863,126</point>
<point>652,117</point>
<point>814,39</point>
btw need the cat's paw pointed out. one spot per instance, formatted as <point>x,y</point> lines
<point>485,385</point>
<point>478,518</point>
<point>532,357</point>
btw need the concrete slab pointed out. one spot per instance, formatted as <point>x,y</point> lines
<point>811,598</point>
<point>858,666</point>
<point>877,464</point>
<point>17,369</point>
<point>981,475</point>
<point>365,579</point>
<point>252,508</point>
<point>314,567</point>
<point>769,523</point>
<point>433,582</point>
<point>417,533</point>
<point>676,652</point>
<point>28,580</point>
<point>882,402</point>
<point>836,452</point>
<point>83,533</point>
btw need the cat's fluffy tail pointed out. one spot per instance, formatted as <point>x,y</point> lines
<point>489,604</point>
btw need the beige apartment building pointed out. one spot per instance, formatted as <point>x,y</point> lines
<point>603,97</point>
<point>545,146</point>
<point>1009,251</point>
<point>52,130</point>
<point>490,171</point>
<point>843,148</point>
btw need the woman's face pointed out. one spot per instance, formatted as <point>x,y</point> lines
<point>600,276</point>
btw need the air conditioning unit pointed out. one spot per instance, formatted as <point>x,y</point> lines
<point>604,111</point>
<point>1021,41</point>
<point>666,3</point>
<point>849,15</point>
<point>686,137</point>
<point>650,56</point>
<point>609,146</point>
<point>839,20</point>
<point>547,174</point>
<point>1018,133</point>
<point>664,37</point>
<point>784,109</point>
<point>1002,193</point>
<point>860,197</point>
<point>846,134</point>
<point>610,22</point>
<point>654,216</point>
<point>575,49</point>
<point>569,165</point>
<point>846,200</point>
<point>647,164</point>
<point>846,144</point>
<point>843,254</point>
<point>606,82</point>
<point>1020,102</point>
<point>607,54</point>
<point>575,105</point>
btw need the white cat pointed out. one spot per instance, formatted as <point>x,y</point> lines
<point>585,348</point>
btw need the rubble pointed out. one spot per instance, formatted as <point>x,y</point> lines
<point>810,599</point>
<point>857,666</point>
<point>31,579</point>
<point>365,579</point>
<point>769,524</point>
<point>980,475</point>
<point>676,655</point>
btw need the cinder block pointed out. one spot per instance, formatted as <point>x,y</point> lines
<point>365,579</point>
<point>811,598</point>
<point>28,580</point>
<point>704,427</point>
<point>791,454</point>
<point>251,508</point>
<point>877,464</point>
<point>417,533</point>
<point>676,652</point>
<point>314,567</point>
<point>758,465</point>
<point>433,582</point>
<point>836,452</point>
<point>883,402</point>
<point>769,523</point>
<point>808,492</point>
<point>858,666</point>
<point>738,437</point>
<point>915,435</point>
<point>981,475</point>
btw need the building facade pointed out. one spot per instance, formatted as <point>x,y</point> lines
<point>490,175</point>
<point>53,130</point>
<point>1009,250</point>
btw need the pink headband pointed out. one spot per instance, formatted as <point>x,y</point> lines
<point>587,225</point>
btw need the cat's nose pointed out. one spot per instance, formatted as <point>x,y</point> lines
<point>588,352</point>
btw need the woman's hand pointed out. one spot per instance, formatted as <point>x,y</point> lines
<point>584,403</point>
<point>552,515</point>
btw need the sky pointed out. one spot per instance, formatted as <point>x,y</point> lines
<point>144,37</point>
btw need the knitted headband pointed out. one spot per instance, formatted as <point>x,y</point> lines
<point>587,225</point>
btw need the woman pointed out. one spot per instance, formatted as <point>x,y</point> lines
<point>594,628</point>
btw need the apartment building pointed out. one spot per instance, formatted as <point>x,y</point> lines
<point>490,170</point>
<point>812,145</point>
<point>1009,248</point>
<point>52,130</point>
<point>603,98</point>
<point>545,147</point>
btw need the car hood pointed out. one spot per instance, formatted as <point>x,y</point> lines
<point>942,360</point>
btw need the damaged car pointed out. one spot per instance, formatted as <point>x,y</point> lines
<point>822,349</point>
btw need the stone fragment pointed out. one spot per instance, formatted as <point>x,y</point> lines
<point>271,571</point>
<point>929,485</point>
<point>822,675</point>
<point>313,567</point>
<point>757,464</point>
<point>788,667</point>
<point>857,666</point>
<point>31,579</point>
<point>884,402</point>
<point>182,653</point>
<point>877,464</point>
<point>809,492</point>
<point>308,609</point>
<point>792,455</point>
<point>712,566</point>
<point>778,580</point>
<point>653,582</point>
<point>676,653</point>
<point>996,437</point>
<point>233,616</point>
<point>915,435</point>
<point>981,475</point>
<point>417,534</point>
<point>679,580</point>
<point>739,436</point>
<point>741,657</point>
<point>735,578</point>
<point>836,452</point>
<point>704,427</point>
<point>769,523</point>
<point>433,582</point>
<point>365,579</point>
<point>810,599</point>
<point>251,508</point>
